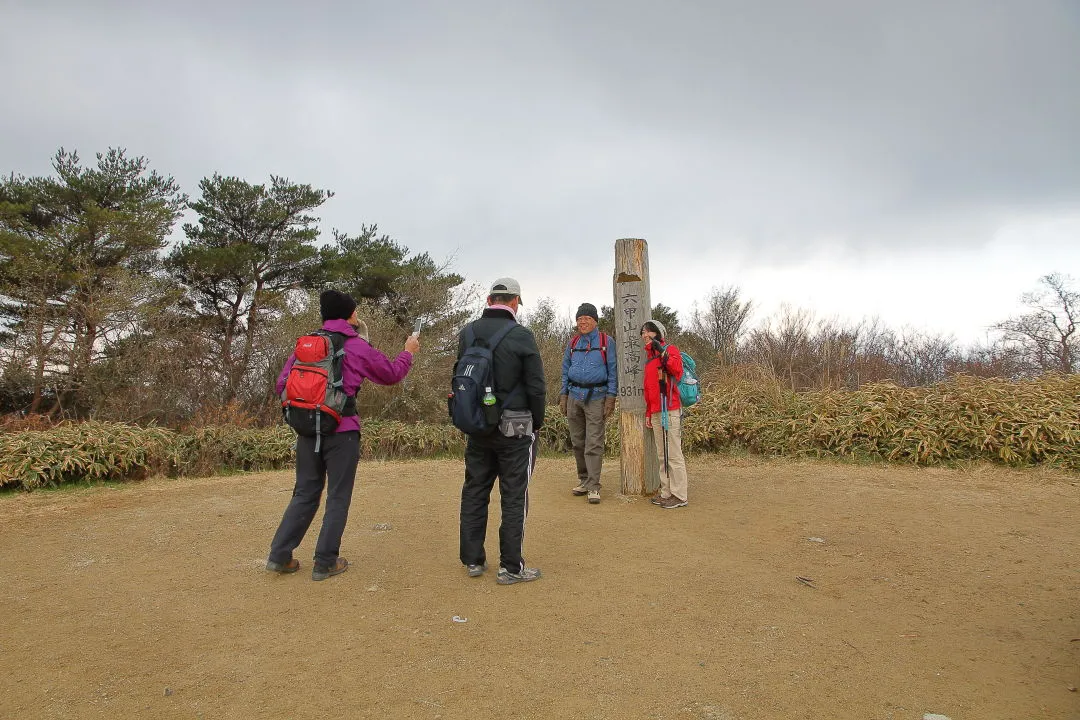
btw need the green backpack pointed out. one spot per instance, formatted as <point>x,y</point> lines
<point>689,390</point>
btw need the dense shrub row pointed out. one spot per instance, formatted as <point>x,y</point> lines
<point>72,452</point>
<point>1014,423</point>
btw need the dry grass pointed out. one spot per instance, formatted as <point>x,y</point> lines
<point>1027,423</point>
<point>1033,422</point>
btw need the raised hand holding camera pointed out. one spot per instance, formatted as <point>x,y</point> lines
<point>412,343</point>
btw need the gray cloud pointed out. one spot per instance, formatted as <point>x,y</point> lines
<point>550,129</point>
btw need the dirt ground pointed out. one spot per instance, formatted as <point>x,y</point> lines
<point>929,591</point>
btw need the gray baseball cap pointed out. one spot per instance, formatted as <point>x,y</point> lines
<point>506,286</point>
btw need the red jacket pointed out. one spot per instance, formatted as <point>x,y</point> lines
<point>666,367</point>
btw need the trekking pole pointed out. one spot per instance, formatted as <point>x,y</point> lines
<point>664,427</point>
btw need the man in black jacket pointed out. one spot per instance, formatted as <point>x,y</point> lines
<point>509,451</point>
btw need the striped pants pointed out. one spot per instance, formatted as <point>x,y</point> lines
<point>511,460</point>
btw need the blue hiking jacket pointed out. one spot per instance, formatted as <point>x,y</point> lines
<point>585,366</point>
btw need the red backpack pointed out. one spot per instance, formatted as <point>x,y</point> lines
<point>313,401</point>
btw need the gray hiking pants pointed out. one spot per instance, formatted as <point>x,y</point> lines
<point>586,421</point>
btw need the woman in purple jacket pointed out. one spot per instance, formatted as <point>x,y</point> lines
<point>334,462</point>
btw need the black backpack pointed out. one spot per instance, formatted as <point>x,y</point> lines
<point>472,381</point>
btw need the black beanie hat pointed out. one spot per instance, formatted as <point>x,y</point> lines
<point>588,310</point>
<point>336,305</point>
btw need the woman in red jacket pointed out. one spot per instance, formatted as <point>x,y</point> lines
<point>662,372</point>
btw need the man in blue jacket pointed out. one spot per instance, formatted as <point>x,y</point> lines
<point>587,398</point>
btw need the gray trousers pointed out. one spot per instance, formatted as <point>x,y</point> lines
<point>586,421</point>
<point>335,466</point>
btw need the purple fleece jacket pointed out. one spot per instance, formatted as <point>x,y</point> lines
<point>362,362</point>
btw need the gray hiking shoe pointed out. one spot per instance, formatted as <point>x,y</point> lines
<point>506,577</point>
<point>594,496</point>
<point>579,490</point>
<point>672,502</point>
<point>476,570</point>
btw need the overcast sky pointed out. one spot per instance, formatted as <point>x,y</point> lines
<point>917,161</point>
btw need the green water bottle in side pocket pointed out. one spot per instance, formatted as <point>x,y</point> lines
<point>491,411</point>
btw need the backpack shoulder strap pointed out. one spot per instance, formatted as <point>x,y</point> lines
<point>603,351</point>
<point>493,342</point>
<point>337,358</point>
<point>470,338</point>
<point>337,339</point>
<point>602,346</point>
<point>497,338</point>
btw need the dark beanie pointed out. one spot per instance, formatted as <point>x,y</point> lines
<point>587,310</point>
<point>336,305</point>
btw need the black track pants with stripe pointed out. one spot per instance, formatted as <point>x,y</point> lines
<point>511,460</point>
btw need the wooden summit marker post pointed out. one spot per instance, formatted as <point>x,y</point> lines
<point>633,306</point>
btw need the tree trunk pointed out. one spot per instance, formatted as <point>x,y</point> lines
<point>228,350</point>
<point>249,336</point>
<point>39,354</point>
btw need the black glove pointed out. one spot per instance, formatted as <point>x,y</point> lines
<point>657,347</point>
